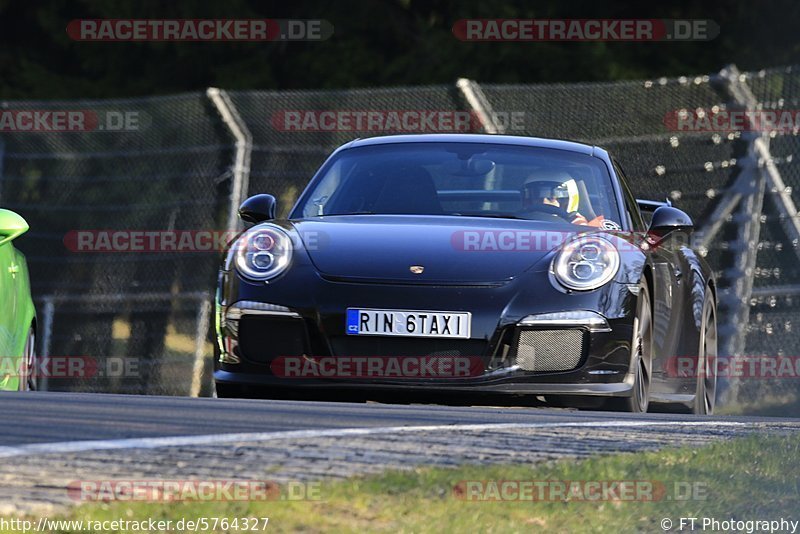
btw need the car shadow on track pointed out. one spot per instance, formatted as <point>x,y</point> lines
<point>407,398</point>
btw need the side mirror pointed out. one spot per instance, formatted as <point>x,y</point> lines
<point>651,205</point>
<point>258,208</point>
<point>667,219</point>
<point>11,226</point>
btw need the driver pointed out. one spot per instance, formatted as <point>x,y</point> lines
<point>555,193</point>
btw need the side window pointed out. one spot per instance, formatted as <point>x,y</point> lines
<point>630,202</point>
<point>322,194</point>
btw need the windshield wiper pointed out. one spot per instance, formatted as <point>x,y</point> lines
<point>350,213</point>
<point>487,215</point>
<point>492,216</point>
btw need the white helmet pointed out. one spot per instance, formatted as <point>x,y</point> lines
<point>552,183</point>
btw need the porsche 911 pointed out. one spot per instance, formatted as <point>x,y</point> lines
<point>469,264</point>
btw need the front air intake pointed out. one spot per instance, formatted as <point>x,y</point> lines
<point>549,350</point>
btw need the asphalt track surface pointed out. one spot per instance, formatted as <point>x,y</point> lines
<point>48,417</point>
<point>50,440</point>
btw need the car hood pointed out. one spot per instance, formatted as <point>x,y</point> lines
<point>451,250</point>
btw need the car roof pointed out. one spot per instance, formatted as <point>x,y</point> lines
<point>538,142</point>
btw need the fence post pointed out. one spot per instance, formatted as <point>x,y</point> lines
<point>482,108</point>
<point>480,105</point>
<point>48,311</point>
<point>734,298</point>
<point>244,147</point>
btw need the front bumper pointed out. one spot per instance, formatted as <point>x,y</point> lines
<point>511,385</point>
<point>258,324</point>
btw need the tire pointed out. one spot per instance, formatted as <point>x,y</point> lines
<point>706,389</point>
<point>28,380</point>
<point>641,358</point>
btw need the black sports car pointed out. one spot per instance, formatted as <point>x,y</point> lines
<point>469,263</point>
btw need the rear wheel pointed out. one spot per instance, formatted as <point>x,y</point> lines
<point>641,358</point>
<point>706,390</point>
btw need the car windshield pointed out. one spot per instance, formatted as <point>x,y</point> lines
<point>463,179</point>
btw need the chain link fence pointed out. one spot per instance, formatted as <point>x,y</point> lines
<point>167,169</point>
<point>192,157</point>
<point>774,318</point>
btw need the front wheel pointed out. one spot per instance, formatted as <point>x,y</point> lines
<point>706,390</point>
<point>641,358</point>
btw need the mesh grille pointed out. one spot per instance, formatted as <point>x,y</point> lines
<point>549,350</point>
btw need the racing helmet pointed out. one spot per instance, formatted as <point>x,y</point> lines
<point>551,184</point>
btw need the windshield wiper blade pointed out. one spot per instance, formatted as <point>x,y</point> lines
<point>492,216</point>
<point>487,215</point>
<point>351,213</point>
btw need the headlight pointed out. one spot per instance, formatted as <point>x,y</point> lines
<point>263,252</point>
<point>586,263</point>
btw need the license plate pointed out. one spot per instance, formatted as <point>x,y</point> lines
<point>368,322</point>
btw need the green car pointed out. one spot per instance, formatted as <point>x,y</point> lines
<point>17,316</point>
